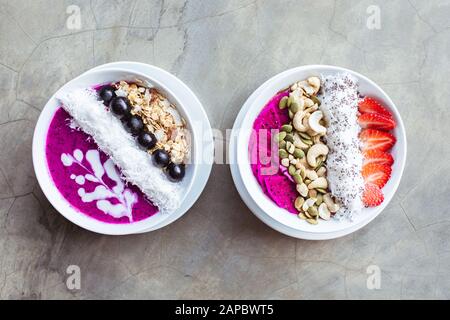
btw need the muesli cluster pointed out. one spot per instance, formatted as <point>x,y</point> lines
<point>155,122</point>
<point>303,152</point>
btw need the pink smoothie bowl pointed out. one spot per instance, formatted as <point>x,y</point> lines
<point>89,80</point>
<point>253,195</point>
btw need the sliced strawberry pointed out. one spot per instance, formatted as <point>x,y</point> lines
<point>376,121</point>
<point>371,105</point>
<point>376,140</point>
<point>377,156</point>
<point>375,173</point>
<point>372,196</point>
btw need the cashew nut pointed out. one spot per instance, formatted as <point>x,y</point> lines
<point>315,151</point>
<point>298,143</point>
<point>324,213</point>
<point>308,103</point>
<point>311,174</point>
<point>312,133</point>
<point>315,83</point>
<point>308,88</point>
<point>305,121</point>
<point>314,124</point>
<point>313,108</point>
<point>302,189</point>
<point>297,122</point>
<point>297,97</point>
<point>333,207</point>
<point>320,182</point>
<point>321,172</point>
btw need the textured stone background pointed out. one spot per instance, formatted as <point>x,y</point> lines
<point>223,50</point>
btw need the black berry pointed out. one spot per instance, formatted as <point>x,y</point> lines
<point>176,171</point>
<point>107,93</point>
<point>147,140</point>
<point>161,158</point>
<point>120,106</point>
<point>135,124</point>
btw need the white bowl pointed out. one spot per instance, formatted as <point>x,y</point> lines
<point>90,79</point>
<point>263,206</point>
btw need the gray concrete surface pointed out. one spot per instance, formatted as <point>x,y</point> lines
<point>223,50</point>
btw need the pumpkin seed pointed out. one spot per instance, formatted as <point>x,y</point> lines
<point>297,178</point>
<point>313,211</point>
<point>303,172</point>
<point>319,199</point>
<point>298,203</point>
<point>289,101</point>
<point>315,100</point>
<point>283,103</point>
<point>302,216</point>
<point>280,136</point>
<point>298,153</point>
<point>282,144</point>
<point>291,170</point>
<point>308,215</point>
<point>306,141</point>
<point>285,162</point>
<point>291,148</point>
<point>286,128</point>
<point>289,137</point>
<point>312,221</point>
<point>304,135</point>
<point>291,114</point>
<point>294,107</point>
<point>323,191</point>
<point>283,153</point>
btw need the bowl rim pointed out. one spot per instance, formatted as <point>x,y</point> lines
<point>265,205</point>
<point>49,188</point>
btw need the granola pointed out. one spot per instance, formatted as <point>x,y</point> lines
<point>160,117</point>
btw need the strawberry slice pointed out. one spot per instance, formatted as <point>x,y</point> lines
<point>372,196</point>
<point>371,105</point>
<point>376,121</point>
<point>377,156</point>
<point>377,174</point>
<point>376,140</point>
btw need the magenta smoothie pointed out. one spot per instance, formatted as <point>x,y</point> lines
<point>88,179</point>
<point>274,182</point>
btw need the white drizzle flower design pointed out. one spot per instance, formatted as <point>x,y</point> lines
<point>102,192</point>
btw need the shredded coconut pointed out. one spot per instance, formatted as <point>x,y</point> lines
<point>111,137</point>
<point>344,162</point>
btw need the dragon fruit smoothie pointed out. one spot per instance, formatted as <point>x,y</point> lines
<point>275,183</point>
<point>88,179</point>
